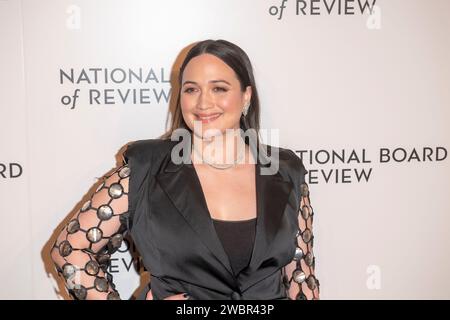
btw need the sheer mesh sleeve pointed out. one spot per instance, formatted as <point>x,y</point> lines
<point>82,250</point>
<point>298,275</point>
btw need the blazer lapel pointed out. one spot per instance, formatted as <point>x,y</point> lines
<point>272,197</point>
<point>182,185</point>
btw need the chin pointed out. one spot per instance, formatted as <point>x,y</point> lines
<point>211,132</point>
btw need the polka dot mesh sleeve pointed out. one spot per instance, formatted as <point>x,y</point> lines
<point>298,276</point>
<point>82,250</point>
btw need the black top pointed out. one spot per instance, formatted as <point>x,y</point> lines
<point>170,225</point>
<point>237,238</point>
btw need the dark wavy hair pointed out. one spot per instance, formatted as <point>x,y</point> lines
<point>237,60</point>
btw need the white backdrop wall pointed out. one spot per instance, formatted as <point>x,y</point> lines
<point>371,86</point>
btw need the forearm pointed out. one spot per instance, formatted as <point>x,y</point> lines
<point>78,251</point>
<point>299,274</point>
<point>84,277</point>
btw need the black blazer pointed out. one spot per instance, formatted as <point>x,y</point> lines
<point>172,229</point>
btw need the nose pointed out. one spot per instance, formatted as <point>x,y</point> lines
<point>205,101</point>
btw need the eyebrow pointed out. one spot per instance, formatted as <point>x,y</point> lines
<point>211,81</point>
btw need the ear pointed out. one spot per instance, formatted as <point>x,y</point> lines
<point>247,95</point>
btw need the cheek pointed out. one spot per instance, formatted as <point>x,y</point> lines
<point>187,107</point>
<point>186,102</point>
<point>231,105</point>
<point>186,113</point>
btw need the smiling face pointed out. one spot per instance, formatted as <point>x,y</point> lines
<point>211,94</point>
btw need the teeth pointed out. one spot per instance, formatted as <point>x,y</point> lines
<point>209,117</point>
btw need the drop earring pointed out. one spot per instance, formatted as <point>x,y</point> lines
<point>245,110</point>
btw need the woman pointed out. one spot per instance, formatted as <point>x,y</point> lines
<point>206,228</point>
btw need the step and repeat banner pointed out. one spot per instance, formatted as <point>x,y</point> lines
<point>358,88</point>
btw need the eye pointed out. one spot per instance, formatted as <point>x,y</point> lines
<point>221,89</point>
<point>188,90</point>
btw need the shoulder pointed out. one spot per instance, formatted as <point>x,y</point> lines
<point>290,162</point>
<point>294,161</point>
<point>147,149</point>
